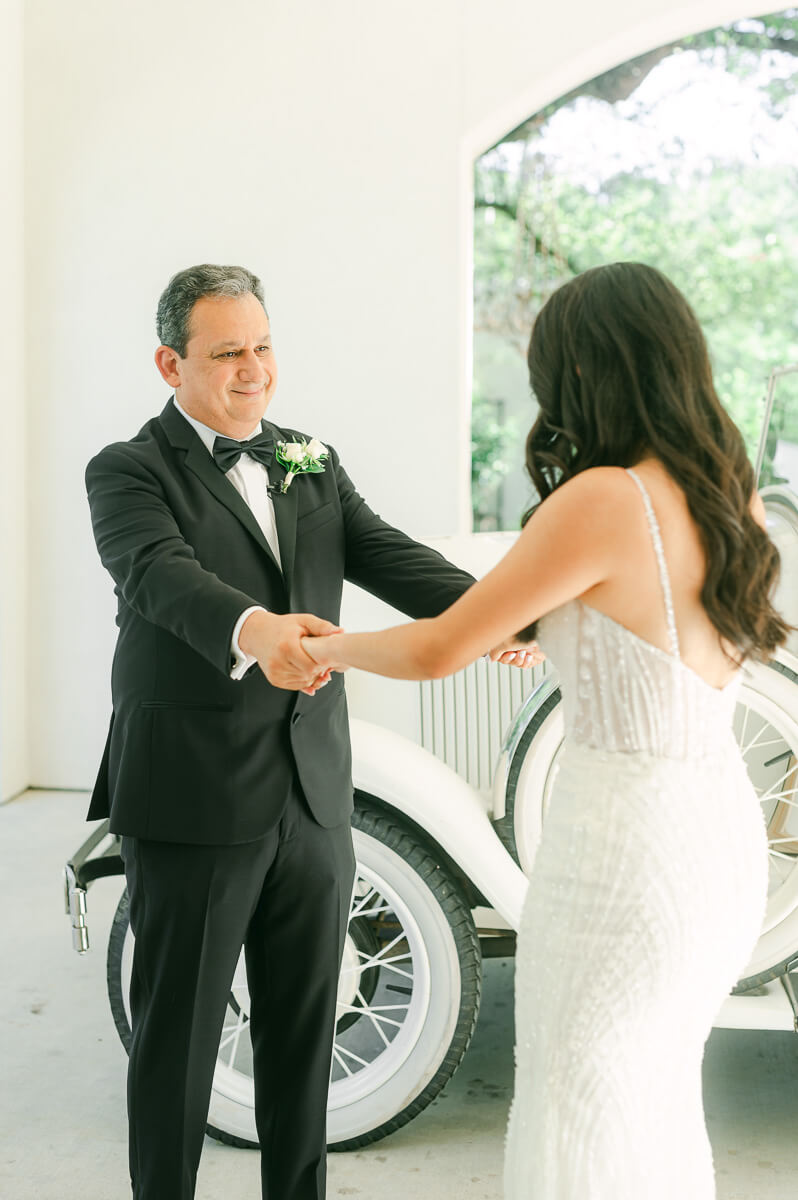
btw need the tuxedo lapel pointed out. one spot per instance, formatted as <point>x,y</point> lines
<point>200,462</point>
<point>285,509</point>
<point>285,506</point>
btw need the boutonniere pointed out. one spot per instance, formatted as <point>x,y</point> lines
<point>300,458</point>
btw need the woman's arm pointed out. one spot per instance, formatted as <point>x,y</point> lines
<point>758,510</point>
<point>571,543</point>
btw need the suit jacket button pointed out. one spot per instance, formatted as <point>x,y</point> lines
<point>296,717</point>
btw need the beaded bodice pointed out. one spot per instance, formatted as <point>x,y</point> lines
<point>621,693</point>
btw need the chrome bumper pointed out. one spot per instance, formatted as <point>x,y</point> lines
<point>81,871</point>
<point>75,904</point>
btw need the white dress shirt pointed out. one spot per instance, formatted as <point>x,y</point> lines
<point>251,480</point>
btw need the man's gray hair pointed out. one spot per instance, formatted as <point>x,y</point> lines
<point>187,287</point>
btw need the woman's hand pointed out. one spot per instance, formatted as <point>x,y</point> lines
<point>517,654</point>
<point>325,652</point>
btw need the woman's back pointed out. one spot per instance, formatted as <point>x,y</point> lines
<point>632,596</point>
<point>626,684</point>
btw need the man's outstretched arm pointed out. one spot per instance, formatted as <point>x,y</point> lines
<point>157,573</point>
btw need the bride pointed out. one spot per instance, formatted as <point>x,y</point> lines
<point>646,573</point>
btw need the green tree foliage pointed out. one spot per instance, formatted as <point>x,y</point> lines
<point>723,225</point>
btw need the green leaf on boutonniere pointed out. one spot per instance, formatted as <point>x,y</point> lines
<point>300,458</point>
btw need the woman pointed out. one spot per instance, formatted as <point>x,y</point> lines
<point>648,563</point>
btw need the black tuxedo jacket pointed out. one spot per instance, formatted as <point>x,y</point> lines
<point>192,755</point>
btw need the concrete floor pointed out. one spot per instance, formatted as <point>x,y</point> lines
<point>62,1107</point>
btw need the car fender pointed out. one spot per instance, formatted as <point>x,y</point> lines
<point>417,784</point>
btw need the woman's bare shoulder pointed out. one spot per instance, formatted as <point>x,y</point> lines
<point>594,493</point>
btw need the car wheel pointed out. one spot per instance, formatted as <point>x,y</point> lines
<point>408,994</point>
<point>766,727</point>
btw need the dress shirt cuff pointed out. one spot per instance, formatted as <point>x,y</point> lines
<point>239,661</point>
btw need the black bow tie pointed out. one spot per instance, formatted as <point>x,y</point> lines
<point>226,451</point>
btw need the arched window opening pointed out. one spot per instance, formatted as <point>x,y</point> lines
<point>685,158</point>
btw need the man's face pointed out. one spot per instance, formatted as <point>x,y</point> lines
<point>229,373</point>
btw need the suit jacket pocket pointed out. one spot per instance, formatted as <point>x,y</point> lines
<point>192,770</point>
<point>316,518</point>
<point>186,705</point>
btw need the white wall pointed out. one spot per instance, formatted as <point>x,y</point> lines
<point>329,147</point>
<point>14,765</point>
<point>521,55</point>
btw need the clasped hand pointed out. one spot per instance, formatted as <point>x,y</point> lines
<point>298,651</point>
<point>276,641</point>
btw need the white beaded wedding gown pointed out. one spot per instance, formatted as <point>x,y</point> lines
<point>646,898</point>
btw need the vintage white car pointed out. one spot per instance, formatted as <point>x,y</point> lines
<point>452,781</point>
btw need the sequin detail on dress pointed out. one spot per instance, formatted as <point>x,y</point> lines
<point>645,901</point>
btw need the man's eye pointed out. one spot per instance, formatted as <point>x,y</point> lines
<point>228,354</point>
<point>264,349</point>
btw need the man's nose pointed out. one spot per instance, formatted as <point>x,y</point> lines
<point>251,367</point>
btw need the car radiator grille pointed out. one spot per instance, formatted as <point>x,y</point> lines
<point>463,718</point>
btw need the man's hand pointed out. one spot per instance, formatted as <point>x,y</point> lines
<point>325,652</point>
<point>275,641</point>
<point>518,654</point>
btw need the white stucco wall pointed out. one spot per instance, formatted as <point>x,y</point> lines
<point>14,545</point>
<point>327,146</point>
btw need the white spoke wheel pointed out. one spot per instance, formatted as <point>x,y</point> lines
<point>766,727</point>
<point>408,994</point>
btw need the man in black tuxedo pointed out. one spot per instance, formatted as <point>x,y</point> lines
<point>227,766</point>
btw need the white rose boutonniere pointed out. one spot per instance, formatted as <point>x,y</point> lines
<point>300,458</point>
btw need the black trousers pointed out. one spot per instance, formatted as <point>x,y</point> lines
<point>285,898</point>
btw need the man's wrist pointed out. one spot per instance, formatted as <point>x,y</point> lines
<point>242,662</point>
<point>252,631</point>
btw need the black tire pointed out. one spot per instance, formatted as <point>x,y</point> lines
<point>505,826</point>
<point>412,872</point>
<point>113,969</point>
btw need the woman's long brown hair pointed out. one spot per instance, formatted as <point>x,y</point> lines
<point>620,369</point>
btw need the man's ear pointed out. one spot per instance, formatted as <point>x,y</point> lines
<point>166,360</point>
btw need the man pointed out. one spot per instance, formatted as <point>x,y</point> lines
<point>227,766</point>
